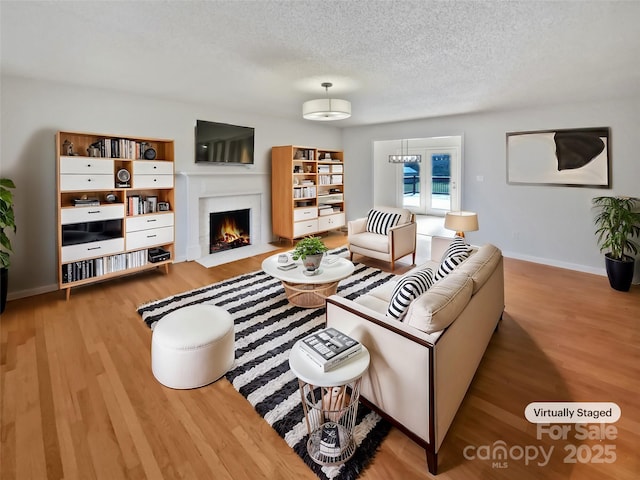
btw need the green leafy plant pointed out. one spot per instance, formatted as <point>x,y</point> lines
<point>617,224</point>
<point>308,246</point>
<point>7,220</point>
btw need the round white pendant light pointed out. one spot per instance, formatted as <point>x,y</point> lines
<point>326,109</point>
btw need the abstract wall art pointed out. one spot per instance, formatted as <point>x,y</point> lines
<point>570,157</point>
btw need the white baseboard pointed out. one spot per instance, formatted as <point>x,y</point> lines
<point>32,291</point>
<point>45,289</point>
<point>555,263</point>
<point>528,258</point>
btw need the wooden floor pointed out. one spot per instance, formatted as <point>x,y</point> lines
<point>78,400</point>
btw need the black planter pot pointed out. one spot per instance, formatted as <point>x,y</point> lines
<point>620,272</point>
<point>4,285</point>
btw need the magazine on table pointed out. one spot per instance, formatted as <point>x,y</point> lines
<point>330,440</point>
<point>329,348</point>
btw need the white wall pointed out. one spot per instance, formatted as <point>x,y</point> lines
<point>551,225</point>
<point>33,111</point>
<point>545,224</point>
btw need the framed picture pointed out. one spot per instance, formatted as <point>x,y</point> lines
<point>152,204</point>
<point>570,158</point>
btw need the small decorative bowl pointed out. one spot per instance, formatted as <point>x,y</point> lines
<point>283,258</point>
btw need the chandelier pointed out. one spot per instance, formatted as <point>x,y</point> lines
<point>405,157</point>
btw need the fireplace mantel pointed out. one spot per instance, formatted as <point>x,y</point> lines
<point>220,173</point>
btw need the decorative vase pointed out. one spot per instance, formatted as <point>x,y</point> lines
<point>620,272</point>
<point>312,262</point>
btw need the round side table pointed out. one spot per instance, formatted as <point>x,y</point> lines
<point>330,404</point>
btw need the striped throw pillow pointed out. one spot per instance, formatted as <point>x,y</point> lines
<point>457,253</point>
<point>408,288</point>
<point>380,222</point>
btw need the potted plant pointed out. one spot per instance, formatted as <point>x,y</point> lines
<point>7,221</point>
<point>618,222</point>
<point>310,250</point>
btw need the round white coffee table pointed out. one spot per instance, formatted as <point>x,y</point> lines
<point>330,404</point>
<point>309,291</point>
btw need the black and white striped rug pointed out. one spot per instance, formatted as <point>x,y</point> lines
<point>266,327</point>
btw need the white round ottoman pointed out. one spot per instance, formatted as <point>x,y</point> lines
<point>192,346</point>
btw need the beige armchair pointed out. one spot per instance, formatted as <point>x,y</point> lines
<point>386,233</point>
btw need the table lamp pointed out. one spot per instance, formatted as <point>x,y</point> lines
<point>461,222</point>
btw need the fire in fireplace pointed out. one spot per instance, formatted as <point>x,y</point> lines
<point>228,230</point>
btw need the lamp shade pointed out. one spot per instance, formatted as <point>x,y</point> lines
<point>326,109</point>
<point>461,222</point>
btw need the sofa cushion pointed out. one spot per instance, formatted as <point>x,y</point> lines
<point>384,292</point>
<point>370,241</point>
<point>457,253</point>
<point>443,303</point>
<point>380,222</point>
<point>373,303</point>
<point>481,265</point>
<point>408,288</point>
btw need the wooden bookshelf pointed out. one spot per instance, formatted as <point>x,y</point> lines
<point>307,191</point>
<point>115,206</point>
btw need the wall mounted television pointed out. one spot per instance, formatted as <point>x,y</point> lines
<point>223,144</point>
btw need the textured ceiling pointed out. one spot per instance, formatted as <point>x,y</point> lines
<point>394,60</point>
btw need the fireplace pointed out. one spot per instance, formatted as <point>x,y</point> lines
<point>229,230</point>
<point>203,201</point>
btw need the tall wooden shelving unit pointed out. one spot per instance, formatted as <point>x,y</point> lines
<point>307,190</point>
<point>108,226</point>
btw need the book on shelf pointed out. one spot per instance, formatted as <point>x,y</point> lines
<point>85,202</point>
<point>329,348</point>
<point>118,148</point>
<point>331,198</point>
<point>325,210</point>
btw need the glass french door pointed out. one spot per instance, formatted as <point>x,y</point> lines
<point>431,187</point>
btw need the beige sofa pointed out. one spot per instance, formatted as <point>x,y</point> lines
<point>418,377</point>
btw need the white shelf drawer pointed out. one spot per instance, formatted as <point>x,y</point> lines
<point>149,238</point>
<point>70,183</point>
<point>308,227</point>
<point>85,165</point>
<point>73,253</point>
<point>91,214</point>
<point>147,167</point>
<point>300,214</point>
<point>152,181</point>
<point>330,222</point>
<point>145,222</point>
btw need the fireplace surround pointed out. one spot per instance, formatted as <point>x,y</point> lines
<point>216,204</point>
<point>216,190</point>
